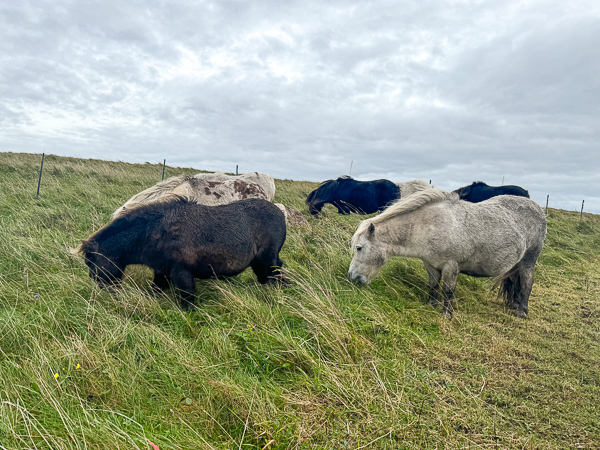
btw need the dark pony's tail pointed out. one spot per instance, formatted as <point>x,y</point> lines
<point>509,284</point>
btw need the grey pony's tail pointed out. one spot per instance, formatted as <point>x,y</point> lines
<point>509,284</point>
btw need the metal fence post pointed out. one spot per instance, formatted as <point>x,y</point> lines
<point>164,164</point>
<point>40,179</point>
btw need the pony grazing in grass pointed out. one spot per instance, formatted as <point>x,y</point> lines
<point>181,240</point>
<point>206,188</point>
<point>351,196</point>
<point>478,191</point>
<point>501,237</point>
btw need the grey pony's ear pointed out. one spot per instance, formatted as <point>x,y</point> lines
<point>371,229</point>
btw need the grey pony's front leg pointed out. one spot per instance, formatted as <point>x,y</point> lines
<point>434,282</point>
<point>450,275</point>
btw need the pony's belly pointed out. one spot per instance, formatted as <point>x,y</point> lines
<point>217,270</point>
<point>475,274</point>
<point>489,268</point>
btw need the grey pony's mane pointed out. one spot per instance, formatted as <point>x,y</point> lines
<point>410,187</point>
<point>403,206</point>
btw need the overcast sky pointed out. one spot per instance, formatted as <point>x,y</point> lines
<point>448,91</point>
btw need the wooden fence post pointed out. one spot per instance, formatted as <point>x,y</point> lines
<point>164,164</point>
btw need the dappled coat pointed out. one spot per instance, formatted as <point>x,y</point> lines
<point>206,188</point>
<point>293,217</point>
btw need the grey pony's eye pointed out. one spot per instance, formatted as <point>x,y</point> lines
<point>358,248</point>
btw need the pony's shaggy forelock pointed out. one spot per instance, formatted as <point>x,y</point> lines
<point>403,206</point>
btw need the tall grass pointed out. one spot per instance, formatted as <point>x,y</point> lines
<point>320,364</point>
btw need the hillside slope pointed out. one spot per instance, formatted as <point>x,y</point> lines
<point>321,364</point>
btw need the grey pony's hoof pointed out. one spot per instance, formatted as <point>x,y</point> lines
<point>521,314</point>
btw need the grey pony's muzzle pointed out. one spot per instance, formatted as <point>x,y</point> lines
<point>358,279</point>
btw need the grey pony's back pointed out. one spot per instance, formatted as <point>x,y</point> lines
<point>527,213</point>
<point>468,230</point>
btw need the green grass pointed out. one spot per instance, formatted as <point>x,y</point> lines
<point>321,364</point>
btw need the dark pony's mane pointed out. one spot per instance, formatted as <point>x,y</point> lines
<point>132,216</point>
<point>326,190</point>
<point>160,206</point>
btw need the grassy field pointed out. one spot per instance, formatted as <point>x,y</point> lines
<point>322,364</point>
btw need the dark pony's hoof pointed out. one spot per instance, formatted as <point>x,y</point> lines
<point>286,282</point>
<point>279,280</point>
<point>521,314</point>
<point>187,305</point>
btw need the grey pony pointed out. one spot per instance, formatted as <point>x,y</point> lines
<point>501,237</point>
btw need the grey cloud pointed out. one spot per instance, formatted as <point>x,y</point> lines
<point>451,92</point>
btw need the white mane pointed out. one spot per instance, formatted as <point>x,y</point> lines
<point>410,187</point>
<point>405,205</point>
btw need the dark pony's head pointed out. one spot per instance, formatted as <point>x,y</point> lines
<point>464,191</point>
<point>104,270</point>
<point>325,193</point>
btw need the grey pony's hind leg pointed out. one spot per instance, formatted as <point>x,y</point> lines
<point>434,282</point>
<point>524,283</point>
<point>450,275</point>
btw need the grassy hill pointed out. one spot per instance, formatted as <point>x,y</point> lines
<point>321,364</point>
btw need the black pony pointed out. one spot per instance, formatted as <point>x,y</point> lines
<point>181,240</point>
<point>479,191</point>
<point>349,195</point>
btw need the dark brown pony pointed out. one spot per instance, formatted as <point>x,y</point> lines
<point>181,240</point>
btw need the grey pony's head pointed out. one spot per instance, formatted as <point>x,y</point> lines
<point>368,257</point>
